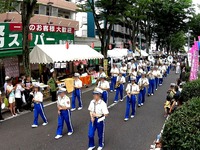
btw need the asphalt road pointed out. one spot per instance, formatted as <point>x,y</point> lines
<point>136,134</point>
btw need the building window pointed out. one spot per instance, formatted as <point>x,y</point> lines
<point>54,12</point>
<point>42,9</point>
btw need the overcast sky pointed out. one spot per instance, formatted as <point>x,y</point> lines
<point>197,2</point>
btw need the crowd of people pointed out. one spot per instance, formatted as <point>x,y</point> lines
<point>142,77</point>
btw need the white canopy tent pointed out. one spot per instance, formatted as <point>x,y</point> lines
<point>44,54</point>
<point>117,53</point>
<point>143,53</point>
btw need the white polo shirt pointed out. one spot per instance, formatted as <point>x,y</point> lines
<point>134,74</point>
<point>123,69</point>
<point>114,71</point>
<point>100,107</point>
<point>121,79</point>
<point>101,74</point>
<point>18,91</point>
<point>38,96</point>
<point>63,101</point>
<point>132,88</point>
<point>78,83</point>
<point>151,75</point>
<point>143,81</point>
<point>103,84</point>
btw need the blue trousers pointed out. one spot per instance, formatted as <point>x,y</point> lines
<point>39,110</point>
<point>124,75</point>
<point>148,68</point>
<point>130,102</point>
<point>113,83</point>
<point>91,133</point>
<point>168,70</point>
<point>156,83</point>
<point>76,94</point>
<point>138,78</point>
<point>105,96</point>
<point>151,86</point>
<point>141,97</point>
<point>119,90</point>
<point>160,80</point>
<point>65,115</point>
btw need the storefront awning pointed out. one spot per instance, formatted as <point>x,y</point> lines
<point>44,54</point>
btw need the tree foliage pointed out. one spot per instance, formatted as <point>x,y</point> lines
<point>194,25</point>
<point>182,130</point>
<point>178,40</point>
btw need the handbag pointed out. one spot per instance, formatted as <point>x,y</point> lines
<point>6,102</point>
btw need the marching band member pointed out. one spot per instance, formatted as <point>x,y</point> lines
<point>151,82</point>
<point>104,86</point>
<point>123,69</point>
<point>98,111</point>
<point>160,76</point>
<point>77,92</point>
<point>133,73</point>
<point>114,72</point>
<point>139,73</point>
<point>38,107</point>
<point>132,90</point>
<point>119,87</point>
<point>64,114</point>
<point>133,66</point>
<point>129,70</point>
<point>143,83</point>
<point>156,73</point>
<point>164,69</point>
<point>100,73</point>
<point>148,66</point>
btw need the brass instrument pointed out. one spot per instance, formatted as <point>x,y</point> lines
<point>141,87</point>
<point>117,84</point>
<point>98,80</point>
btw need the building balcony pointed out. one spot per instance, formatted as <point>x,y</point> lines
<point>40,19</point>
<point>60,4</point>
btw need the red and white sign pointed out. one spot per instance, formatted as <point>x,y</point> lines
<point>41,28</point>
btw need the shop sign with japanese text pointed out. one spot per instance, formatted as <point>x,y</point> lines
<point>11,35</point>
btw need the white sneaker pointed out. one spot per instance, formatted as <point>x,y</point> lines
<point>45,123</point>
<point>69,133</point>
<point>139,105</point>
<point>80,108</point>
<point>73,109</point>
<point>156,89</point>
<point>115,90</point>
<point>115,101</point>
<point>111,91</point>
<point>58,137</point>
<point>91,148</point>
<point>132,116</point>
<point>126,119</point>
<point>99,148</point>
<point>152,94</point>
<point>34,126</point>
<point>142,104</point>
<point>121,100</point>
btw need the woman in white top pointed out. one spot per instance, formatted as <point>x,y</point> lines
<point>18,95</point>
<point>64,113</point>
<point>38,107</point>
<point>11,97</point>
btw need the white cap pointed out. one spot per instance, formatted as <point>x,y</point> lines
<point>36,85</point>
<point>7,78</point>
<point>77,75</point>
<point>61,90</point>
<point>103,76</point>
<point>52,70</point>
<point>133,79</point>
<point>97,91</point>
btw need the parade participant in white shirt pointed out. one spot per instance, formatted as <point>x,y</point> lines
<point>114,72</point>
<point>160,76</point>
<point>139,73</point>
<point>38,106</point>
<point>119,87</point>
<point>133,73</point>
<point>64,113</point>
<point>129,70</point>
<point>123,69</point>
<point>77,92</point>
<point>132,91</point>
<point>98,111</point>
<point>151,78</point>
<point>133,66</point>
<point>142,83</point>
<point>148,66</point>
<point>100,73</point>
<point>178,68</point>
<point>18,95</point>
<point>156,74</point>
<point>104,86</point>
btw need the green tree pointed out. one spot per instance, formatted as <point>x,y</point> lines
<point>26,14</point>
<point>178,40</point>
<point>106,14</point>
<point>194,25</point>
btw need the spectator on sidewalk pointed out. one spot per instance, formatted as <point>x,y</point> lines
<point>18,95</point>
<point>11,96</point>
<point>28,88</point>
<point>53,86</point>
<point>44,76</point>
<point>175,101</point>
<point>5,84</point>
<point>1,102</point>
